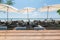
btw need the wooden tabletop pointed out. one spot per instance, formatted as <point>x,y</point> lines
<point>30,35</point>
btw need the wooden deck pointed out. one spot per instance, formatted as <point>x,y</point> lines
<point>30,35</point>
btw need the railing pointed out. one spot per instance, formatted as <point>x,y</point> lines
<point>30,35</point>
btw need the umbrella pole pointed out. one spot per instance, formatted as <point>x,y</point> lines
<point>7,18</point>
<point>7,14</point>
<point>47,12</point>
<point>27,15</point>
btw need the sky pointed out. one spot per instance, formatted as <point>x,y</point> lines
<point>20,4</point>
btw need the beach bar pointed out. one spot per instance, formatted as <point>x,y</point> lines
<point>30,21</point>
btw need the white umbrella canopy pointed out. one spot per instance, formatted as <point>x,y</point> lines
<point>27,10</point>
<point>7,8</point>
<point>4,7</point>
<point>49,8</point>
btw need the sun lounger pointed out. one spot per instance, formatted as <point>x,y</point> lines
<point>20,28</point>
<point>3,27</point>
<point>37,28</point>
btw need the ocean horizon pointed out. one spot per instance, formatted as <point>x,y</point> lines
<point>15,19</point>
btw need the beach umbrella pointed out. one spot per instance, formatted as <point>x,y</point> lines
<point>49,8</point>
<point>27,10</point>
<point>7,8</point>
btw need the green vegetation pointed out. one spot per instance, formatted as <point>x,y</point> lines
<point>8,2</point>
<point>58,11</point>
<point>1,1</point>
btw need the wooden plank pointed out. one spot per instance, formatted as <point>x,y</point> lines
<point>30,31</point>
<point>33,37</point>
<point>30,35</point>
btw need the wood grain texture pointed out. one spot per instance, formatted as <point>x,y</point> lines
<point>30,35</point>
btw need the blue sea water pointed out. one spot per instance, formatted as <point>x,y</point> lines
<point>22,19</point>
<point>14,19</point>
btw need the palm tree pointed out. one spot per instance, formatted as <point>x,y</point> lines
<point>58,11</point>
<point>1,1</point>
<point>9,2</point>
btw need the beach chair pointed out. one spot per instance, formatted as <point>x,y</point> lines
<point>39,28</point>
<point>20,28</point>
<point>3,27</point>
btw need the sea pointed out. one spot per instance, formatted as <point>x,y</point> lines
<point>25,19</point>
